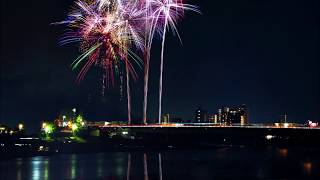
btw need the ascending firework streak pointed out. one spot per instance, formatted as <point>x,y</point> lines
<point>160,15</point>
<point>146,63</point>
<point>165,14</point>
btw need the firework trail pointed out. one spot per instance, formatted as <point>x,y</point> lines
<point>160,15</point>
<point>165,14</point>
<point>128,93</point>
<point>146,64</point>
<point>146,83</point>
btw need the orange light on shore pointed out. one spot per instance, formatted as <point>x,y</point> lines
<point>70,124</point>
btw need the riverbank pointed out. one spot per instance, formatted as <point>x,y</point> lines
<point>153,138</point>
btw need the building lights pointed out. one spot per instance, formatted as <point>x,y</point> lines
<point>69,124</point>
<point>312,124</point>
<point>242,120</point>
<point>20,127</point>
<point>269,137</point>
<point>232,115</point>
<point>44,125</point>
<point>64,124</point>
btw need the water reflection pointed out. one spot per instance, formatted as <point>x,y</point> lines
<point>283,152</point>
<point>39,168</point>
<point>307,167</point>
<point>35,166</point>
<point>160,166</point>
<point>120,162</point>
<point>73,166</point>
<point>219,163</point>
<point>100,165</point>
<point>129,166</point>
<point>145,167</point>
<point>46,169</point>
<point>19,170</point>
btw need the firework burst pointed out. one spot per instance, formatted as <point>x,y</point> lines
<point>106,30</point>
<point>110,31</point>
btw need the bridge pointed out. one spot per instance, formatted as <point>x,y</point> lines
<point>202,125</point>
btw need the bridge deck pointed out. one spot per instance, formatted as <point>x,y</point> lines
<point>207,126</point>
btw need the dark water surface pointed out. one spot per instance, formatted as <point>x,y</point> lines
<point>215,163</point>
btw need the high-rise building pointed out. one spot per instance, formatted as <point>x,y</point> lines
<point>232,115</point>
<point>166,118</point>
<point>213,118</point>
<point>171,118</point>
<point>201,116</point>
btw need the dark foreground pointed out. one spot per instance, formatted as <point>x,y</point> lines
<point>106,139</point>
<point>165,153</point>
<point>214,163</point>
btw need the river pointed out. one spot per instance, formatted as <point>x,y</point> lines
<point>215,163</point>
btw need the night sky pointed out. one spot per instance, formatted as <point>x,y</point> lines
<point>261,53</point>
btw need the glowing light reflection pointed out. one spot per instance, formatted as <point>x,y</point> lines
<point>307,167</point>
<point>283,152</point>
<point>35,168</point>
<point>99,169</point>
<point>19,170</point>
<point>160,166</point>
<point>129,166</point>
<point>73,166</point>
<point>145,167</point>
<point>46,169</point>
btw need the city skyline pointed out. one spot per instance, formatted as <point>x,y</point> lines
<point>262,54</point>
